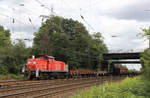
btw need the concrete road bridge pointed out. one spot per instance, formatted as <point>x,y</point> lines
<point>120,58</point>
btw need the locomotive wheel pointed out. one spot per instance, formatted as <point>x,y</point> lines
<point>29,76</point>
<point>26,76</point>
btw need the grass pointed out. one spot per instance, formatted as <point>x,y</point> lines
<point>137,87</point>
<point>10,77</point>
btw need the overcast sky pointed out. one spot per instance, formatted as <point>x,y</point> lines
<point>121,18</point>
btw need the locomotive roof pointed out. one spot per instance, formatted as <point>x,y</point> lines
<point>50,56</point>
<point>45,56</point>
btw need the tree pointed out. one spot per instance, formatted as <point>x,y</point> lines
<point>4,44</point>
<point>145,60</point>
<point>69,41</point>
<point>146,34</point>
<point>12,57</point>
<point>98,48</point>
<point>15,58</point>
<point>4,37</point>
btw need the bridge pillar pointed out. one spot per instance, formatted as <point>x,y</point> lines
<point>104,65</point>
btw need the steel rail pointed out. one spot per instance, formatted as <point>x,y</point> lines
<point>54,87</point>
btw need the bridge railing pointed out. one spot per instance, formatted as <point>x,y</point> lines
<point>126,51</point>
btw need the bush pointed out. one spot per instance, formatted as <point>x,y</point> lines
<point>129,88</point>
<point>10,76</point>
<point>3,69</point>
<point>13,59</point>
<point>145,59</point>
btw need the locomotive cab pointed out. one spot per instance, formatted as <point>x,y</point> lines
<point>52,58</point>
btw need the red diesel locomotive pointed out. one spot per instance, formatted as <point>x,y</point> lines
<point>45,66</point>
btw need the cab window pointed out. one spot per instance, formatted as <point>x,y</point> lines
<point>45,58</point>
<point>52,59</point>
<point>40,58</point>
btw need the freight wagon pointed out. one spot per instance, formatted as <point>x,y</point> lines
<point>120,71</point>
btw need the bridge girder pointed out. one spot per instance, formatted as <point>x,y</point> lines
<point>119,56</point>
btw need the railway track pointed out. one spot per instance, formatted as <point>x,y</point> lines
<point>44,84</point>
<point>7,83</point>
<point>50,88</point>
<point>10,83</point>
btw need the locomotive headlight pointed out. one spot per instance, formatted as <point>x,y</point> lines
<point>34,62</point>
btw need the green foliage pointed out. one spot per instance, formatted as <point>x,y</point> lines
<point>146,33</point>
<point>4,70</point>
<point>69,41</point>
<point>6,32</point>
<point>4,37</point>
<point>12,57</point>
<point>129,88</point>
<point>145,59</point>
<point>16,57</point>
<point>138,87</point>
<point>10,76</point>
<point>65,39</point>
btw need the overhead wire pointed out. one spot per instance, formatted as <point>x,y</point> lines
<point>81,16</point>
<point>31,23</point>
<point>87,22</point>
<point>12,18</point>
<point>13,21</point>
<point>30,20</point>
<point>29,12</point>
<point>44,6</point>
